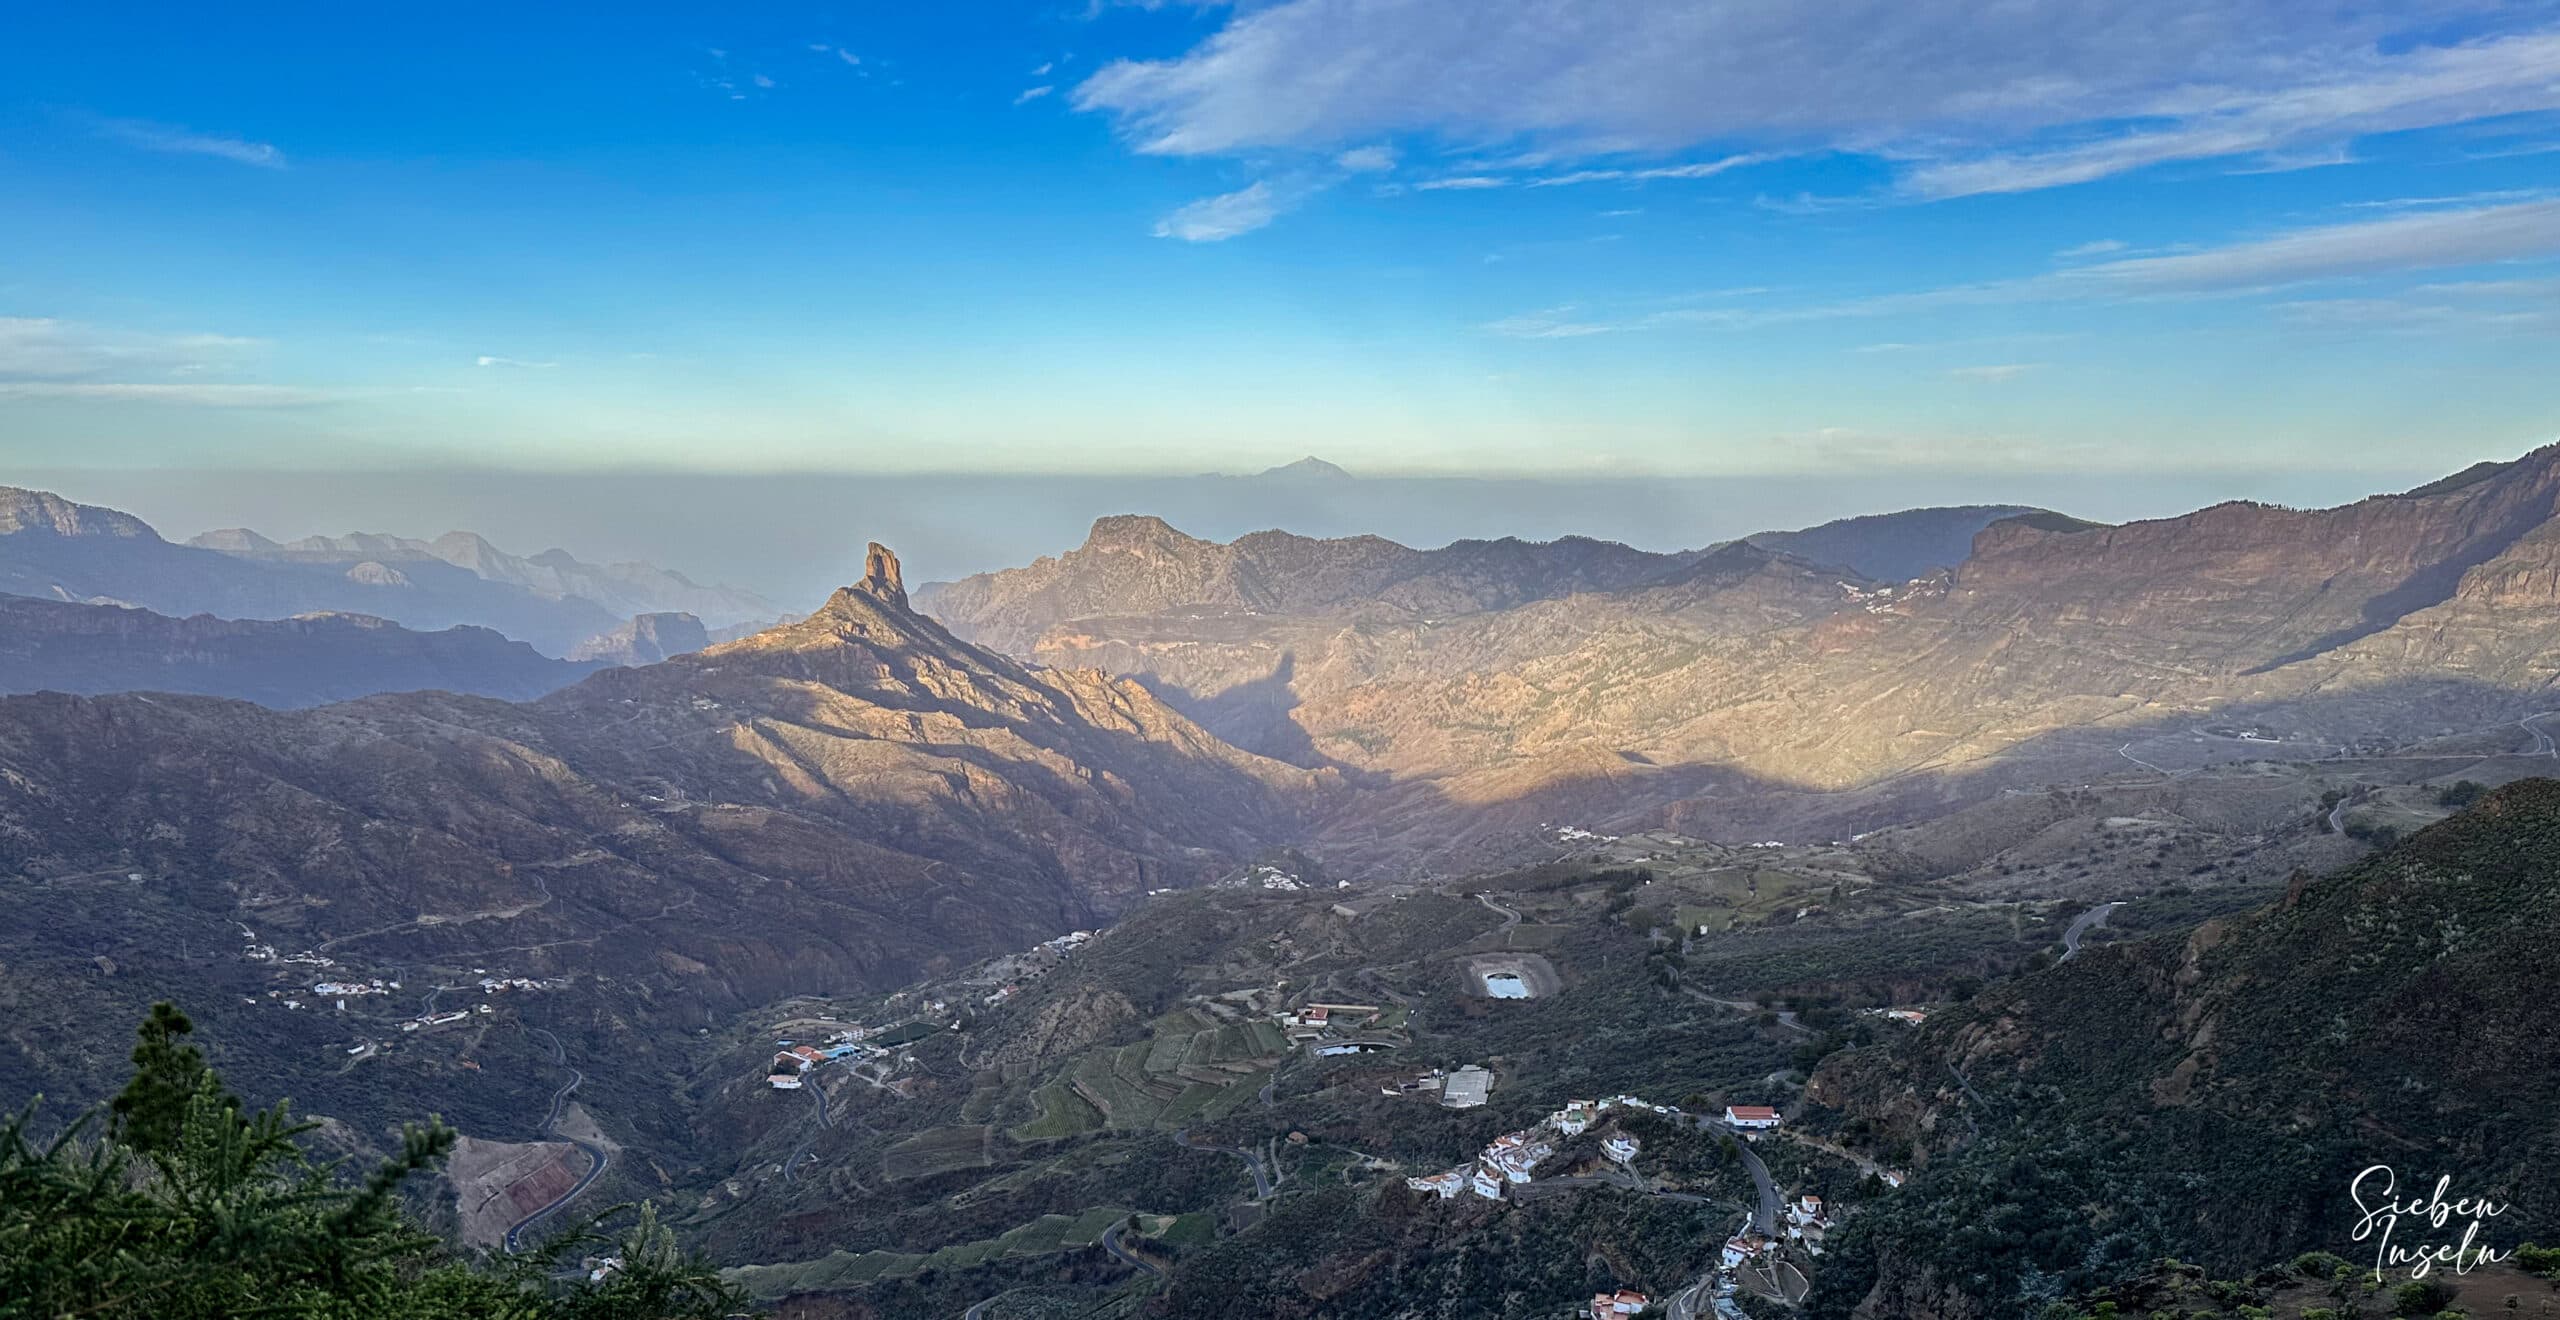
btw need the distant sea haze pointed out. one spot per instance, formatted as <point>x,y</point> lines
<point>795,537</point>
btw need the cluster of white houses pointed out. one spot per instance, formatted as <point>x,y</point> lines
<point>1513,1158</point>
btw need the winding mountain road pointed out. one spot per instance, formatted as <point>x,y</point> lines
<point>1111,1243</point>
<point>2081,925</point>
<point>1786,1016</point>
<point>791,1166</point>
<point>1262,1182</point>
<point>550,1121</point>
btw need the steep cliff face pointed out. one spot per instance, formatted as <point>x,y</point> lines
<point>646,640</point>
<point>61,646</point>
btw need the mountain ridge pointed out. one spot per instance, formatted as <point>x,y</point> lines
<point>305,660</point>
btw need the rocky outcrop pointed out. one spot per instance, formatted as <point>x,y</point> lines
<point>646,640</point>
<point>880,575</point>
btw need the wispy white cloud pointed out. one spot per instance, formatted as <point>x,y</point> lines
<point>2428,240</point>
<point>1553,323</point>
<point>1963,99</point>
<point>2400,244</point>
<point>2094,248</point>
<point>1459,183</point>
<point>1367,160</point>
<point>508,363</point>
<point>1996,372</point>
<point>43,348</point>
<point>45,358</point>
<point>187,142</point>
<point>1030,94</point>
<point>182,394</point>
<point>1216,219</point>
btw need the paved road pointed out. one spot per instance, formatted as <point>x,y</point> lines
<point>1764,1216</point>
<point>1509,917</point>
<point>595,1153</point>
<point>791,1166</point>
<point>1111,1243</point>
<point>2082,925</point>
<point>2338,814</point>
<point>1786,1017</point>
<point>1261,1180</point>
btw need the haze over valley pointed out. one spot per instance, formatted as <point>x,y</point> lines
<point>1292,659</point>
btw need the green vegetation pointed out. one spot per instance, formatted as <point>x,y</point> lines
<point>841,1270</point>
<point>936,1150</point>
<point>1063,1113</point>
<point>2323,1057</point>
<point>189,1205</point>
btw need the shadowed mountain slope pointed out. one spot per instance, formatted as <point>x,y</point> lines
<point>308,660</point>
<point>2209,1094</point>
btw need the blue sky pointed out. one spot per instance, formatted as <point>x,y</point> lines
<point>1584,236</point>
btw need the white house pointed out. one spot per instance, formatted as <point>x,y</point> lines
<point>1622,1147</point>
<point>1751,1116</point>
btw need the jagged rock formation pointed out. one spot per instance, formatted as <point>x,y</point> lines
<point>646,640</point>
<point>59,646</point>
<point>880,575</point>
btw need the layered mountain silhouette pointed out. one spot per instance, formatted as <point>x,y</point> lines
<point>307,660</point>
<point>54,549</point>
<point>619,589</point>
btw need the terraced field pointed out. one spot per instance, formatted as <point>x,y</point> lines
<point>1191,1066</point>
<point>936,1150</point>
<point>842,1270</point>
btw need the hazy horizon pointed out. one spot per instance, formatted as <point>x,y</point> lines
<point>794,537</point>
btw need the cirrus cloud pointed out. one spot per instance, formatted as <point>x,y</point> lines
<point>1964,98</point>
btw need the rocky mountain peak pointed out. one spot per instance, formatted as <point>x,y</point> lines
<point>43,511</point>
<point>1139,531</point>
<point>880,576</point>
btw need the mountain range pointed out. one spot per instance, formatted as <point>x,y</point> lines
<point>54,549</point>
<point>872,812</point>
<point>306,660</point>
<point>1765,692</point>
<point>842,803</point>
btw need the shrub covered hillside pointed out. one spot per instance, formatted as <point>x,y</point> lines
<point>176,1203</point>
<point>2210,1094</point>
